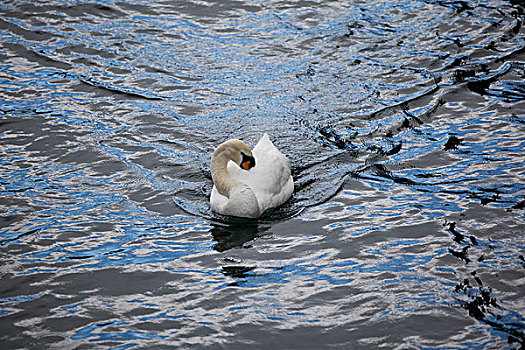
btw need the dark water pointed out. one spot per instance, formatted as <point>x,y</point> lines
<point>404,125</point>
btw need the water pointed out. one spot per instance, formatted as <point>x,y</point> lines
<point>404,125</point>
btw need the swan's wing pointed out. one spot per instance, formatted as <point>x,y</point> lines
<point>274,170</point>
<point>271,178</point>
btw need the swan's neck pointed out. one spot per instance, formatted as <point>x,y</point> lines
<point>220,175</point>
<point>242,201</point>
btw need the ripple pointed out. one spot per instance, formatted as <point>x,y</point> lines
<point>403,123</point>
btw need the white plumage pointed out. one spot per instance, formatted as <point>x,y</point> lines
<point>248,193</point>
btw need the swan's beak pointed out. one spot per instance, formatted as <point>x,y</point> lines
<point>248,162</point>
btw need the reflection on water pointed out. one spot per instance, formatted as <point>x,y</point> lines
<point>403,122</point>
<point>234,236</point>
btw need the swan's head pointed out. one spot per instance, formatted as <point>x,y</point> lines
<point>236,151</point>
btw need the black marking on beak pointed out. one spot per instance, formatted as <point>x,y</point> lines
<point>247,162</point>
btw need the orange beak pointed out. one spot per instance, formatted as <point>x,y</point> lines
<point>247,162</point>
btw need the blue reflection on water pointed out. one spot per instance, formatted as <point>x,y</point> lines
<point>93,332</point>
<point>118,114</point>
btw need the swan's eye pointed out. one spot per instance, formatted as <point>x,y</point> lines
<point>247,162</point>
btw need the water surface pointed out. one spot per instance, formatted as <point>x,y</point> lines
<point>404,125</point>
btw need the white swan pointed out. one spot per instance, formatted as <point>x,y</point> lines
<point>247,183</point>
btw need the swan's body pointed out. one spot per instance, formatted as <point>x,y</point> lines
<point>246,182</point>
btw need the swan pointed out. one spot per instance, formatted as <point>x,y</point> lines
<point>246,182</point>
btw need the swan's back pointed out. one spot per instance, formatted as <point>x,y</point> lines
<point>270,179</point>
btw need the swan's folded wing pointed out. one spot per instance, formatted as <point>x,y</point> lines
<point>270,179</point>
<point>272,169</point>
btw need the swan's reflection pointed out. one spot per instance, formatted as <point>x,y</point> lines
<point>234,235</point>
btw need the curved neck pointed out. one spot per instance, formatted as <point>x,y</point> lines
<point>219,173</point>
